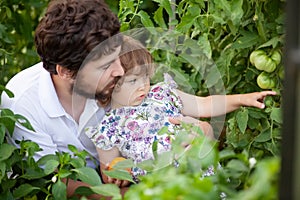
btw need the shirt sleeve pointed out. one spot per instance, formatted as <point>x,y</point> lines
<point>38,136</point>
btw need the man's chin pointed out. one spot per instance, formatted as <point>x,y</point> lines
<point>104,94</point>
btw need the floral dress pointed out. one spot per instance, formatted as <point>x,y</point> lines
<point>133,130</point>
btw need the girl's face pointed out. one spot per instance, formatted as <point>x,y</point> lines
<point>132,91</point>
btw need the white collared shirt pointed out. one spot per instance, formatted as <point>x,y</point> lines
<point>35,98</point>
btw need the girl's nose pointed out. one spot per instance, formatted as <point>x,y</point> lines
<point>142,86</point>
<point>142,83</point>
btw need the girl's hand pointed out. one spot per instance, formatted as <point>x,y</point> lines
<point>205,126</point>
<point>118,182</point>
<point>255,99</point>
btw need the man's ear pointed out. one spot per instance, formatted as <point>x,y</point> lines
<point>63,72</point>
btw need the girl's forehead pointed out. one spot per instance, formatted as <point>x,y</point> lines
<point>137,70</point>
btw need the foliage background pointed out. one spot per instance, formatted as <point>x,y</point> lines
<point>227,32</point>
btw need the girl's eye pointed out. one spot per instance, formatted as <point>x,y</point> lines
<point>132,81</point>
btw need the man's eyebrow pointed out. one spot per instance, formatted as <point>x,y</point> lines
<point>108,63</point>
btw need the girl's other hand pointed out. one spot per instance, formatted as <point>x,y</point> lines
<point>255,99</point>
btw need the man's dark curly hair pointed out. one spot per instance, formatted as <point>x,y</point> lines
<point>71,29</point>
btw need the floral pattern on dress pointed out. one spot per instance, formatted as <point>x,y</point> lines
<point>133,130</point>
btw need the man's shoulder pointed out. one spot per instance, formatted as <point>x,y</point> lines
<point>25,83</point>
<point>24,77</point>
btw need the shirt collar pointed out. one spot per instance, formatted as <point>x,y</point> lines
<point>48,96</point>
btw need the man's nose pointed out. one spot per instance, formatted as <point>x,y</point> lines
<point>117,69</point>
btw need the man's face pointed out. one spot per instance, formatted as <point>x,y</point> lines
<point>98,77</point>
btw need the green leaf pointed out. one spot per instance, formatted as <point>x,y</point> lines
<point>124,164</point>
<point>8,12</point>
<point>43,160</point>
<point>72,148</point>
<point>226,153</point>
<point>7,112</point>
<point>84,191</point>
<point>217,18</point>
<point>7,91</point>
<point>24,122</point>
<point>205,44</point>
<point>88,175</point>
<point>272,42</point>
<point>2,170</point>
<point>2,133</point>
<point>237,165</point>
<point>166,5</point>
<point>212,77</point>
<point>263,136</point>
<point>146,165</point>
<point>186,23</point>
<point>119,174</point>
<point>77,162</point>
<point>276,115</point>
<point>59,190</point>
<point>242,119</point>
<point>108,190</point>
<point>8,119</point>
<point>256,113</point>
<point>154,149</point>
<point>163,130</point>
<point>32,173</point>
<point>24,190</point>
<point>253,123</point>
<point>190,58</point>
<point>236,11</point>
<point>246,40</point>
<point>64,173</point>
<point>6,150</point>
<point>145,18</point>
<point>51,166</point>
<point>158,18</point>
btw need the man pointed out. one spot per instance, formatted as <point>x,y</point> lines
<point>58,95</point>
<point>79,44</point>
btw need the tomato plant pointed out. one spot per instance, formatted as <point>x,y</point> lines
<point>208,47</point>
<point>18,20</point>
<point>225,32</point>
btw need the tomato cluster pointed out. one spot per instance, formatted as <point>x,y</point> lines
<point>267,64</point>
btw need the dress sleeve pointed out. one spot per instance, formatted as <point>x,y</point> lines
<point>165,94</point>
<point>169,88</point>
<point>106,134</point>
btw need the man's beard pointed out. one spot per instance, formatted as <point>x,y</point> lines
<point>104,94</point>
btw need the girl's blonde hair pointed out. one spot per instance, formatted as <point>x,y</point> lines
<point>134,55</point>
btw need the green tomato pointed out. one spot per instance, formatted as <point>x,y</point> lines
<point>276,57</point>
<point>264,81</point>
<point>270,66</point>
<point>261,62</point>
<point>255,54</point>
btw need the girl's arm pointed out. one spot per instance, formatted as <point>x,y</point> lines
<point>216,105</point>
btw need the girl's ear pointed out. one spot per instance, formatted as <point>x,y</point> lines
<point>63,72</point>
